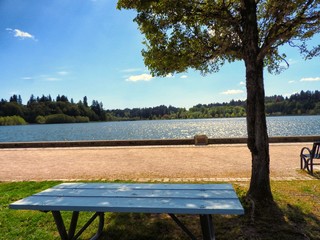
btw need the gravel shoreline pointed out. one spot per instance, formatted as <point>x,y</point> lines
<point>154,163</point>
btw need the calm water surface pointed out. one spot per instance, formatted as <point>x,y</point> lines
<point>157,129</point>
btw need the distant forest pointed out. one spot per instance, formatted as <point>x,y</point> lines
<point>45,109</point>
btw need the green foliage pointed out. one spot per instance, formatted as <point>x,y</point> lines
<point>204,34</point>
<point>81,119</point>
<point>40,119</point>
<point>216,111</point>
<point>11,109</point>
<point>59,118</point>
<point>63,118</point>
<point>12,120</point>
<point>43,110</point>
<point>306,103</point>
<point>38,108</point>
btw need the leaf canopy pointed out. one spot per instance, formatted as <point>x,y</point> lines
<point>204,34</point>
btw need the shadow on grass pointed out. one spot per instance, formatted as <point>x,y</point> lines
<point>135,226</point>
<point>288,223</point>
<point>273,222</point>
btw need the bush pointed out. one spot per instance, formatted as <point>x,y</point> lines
<point>81,119</point>
<point>63,118</point>
<point>12,120</point>
<point>40,119</point>
<point>59,118</point>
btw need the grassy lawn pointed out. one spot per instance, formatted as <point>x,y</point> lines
<point>296,215</point>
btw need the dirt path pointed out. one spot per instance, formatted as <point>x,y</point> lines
<point>182,163</point>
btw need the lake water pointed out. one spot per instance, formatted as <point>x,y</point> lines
<point>158,129</point>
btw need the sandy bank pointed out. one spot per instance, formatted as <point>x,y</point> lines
<point>164,163</point>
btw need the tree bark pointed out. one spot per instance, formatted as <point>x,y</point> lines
<point>258,143</point>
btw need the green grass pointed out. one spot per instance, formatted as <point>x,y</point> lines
<point>295,215</point>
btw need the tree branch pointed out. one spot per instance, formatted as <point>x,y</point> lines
<point>283,31</point>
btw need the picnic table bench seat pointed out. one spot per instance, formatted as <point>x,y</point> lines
<point>310,157</point>
<point>201,199</point>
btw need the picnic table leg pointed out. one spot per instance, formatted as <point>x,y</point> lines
<point>73,224</point>
<point>60,225</point>
<point>100,227</point>
<point>182,226</point>
<point>207,227</point>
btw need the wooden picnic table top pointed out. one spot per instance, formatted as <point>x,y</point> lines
<point>135,197</point>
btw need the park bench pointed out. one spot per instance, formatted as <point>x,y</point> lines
<point>172,199</point>
<point>310,157</point>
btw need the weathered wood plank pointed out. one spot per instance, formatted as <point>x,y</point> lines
<point>124,186</point>
<point>175,193</point>
<point>141,205</point>
<point>143,198</point>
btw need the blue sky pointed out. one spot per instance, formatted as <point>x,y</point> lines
<point>89,48</point>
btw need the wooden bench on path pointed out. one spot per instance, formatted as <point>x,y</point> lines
<point>172,199</point>
<point>310,157</point>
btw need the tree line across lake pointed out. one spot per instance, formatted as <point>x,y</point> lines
<point>45,109</point>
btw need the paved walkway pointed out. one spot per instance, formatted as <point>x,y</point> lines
<point>147,164</point>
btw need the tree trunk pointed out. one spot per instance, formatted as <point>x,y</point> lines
<point>258,142</point>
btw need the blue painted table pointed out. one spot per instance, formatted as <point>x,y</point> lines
<point>201,199</point>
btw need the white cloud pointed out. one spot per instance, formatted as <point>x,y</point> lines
<point>63,73</point>
<point>292,61</point>
<point>184,76</point>
<point>232,92</point>
<point>169,76</point>
<point>316,79</point>
<point>141,77</point>
<point>21,34</point>
<point>131,70</point>
<point>242,83</point>
<point>292,81</point>
<point>27,78</point>
<point>51,79</point>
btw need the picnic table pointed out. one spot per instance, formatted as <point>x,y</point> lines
<point>201,199</point>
